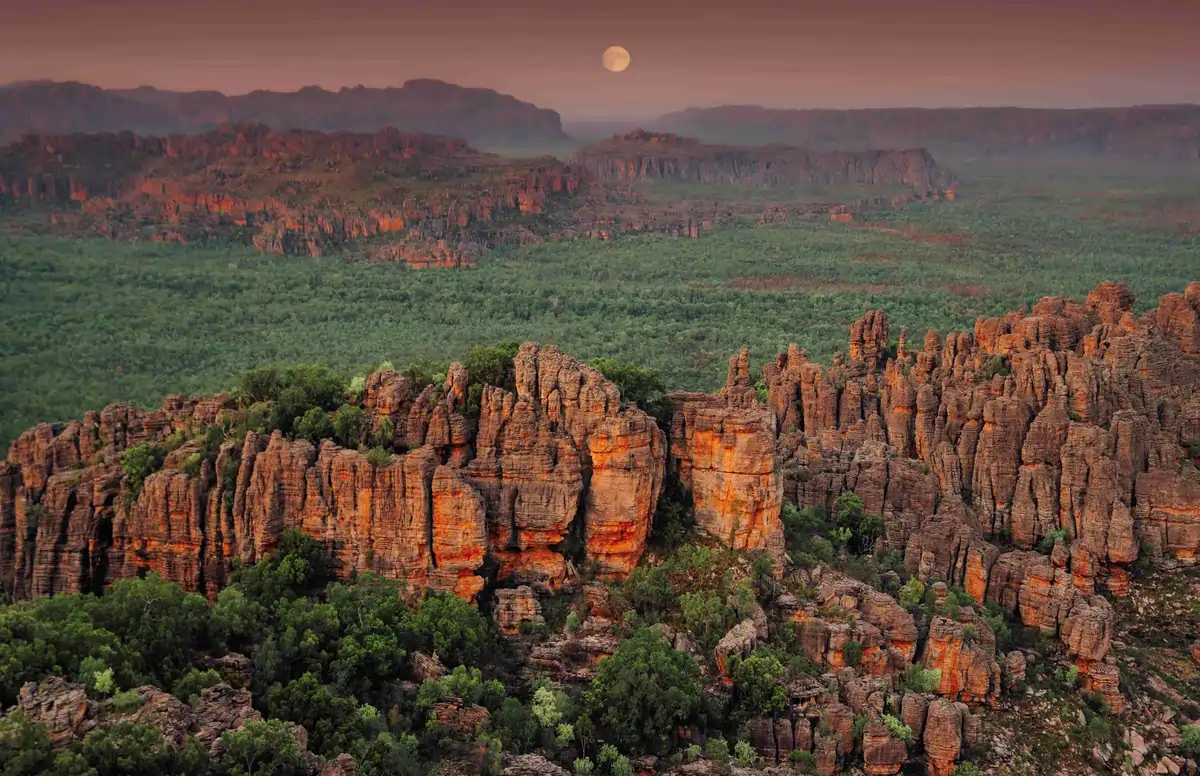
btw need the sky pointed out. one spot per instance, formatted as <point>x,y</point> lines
<point>779,53</point>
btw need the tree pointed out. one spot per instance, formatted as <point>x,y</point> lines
<point>447,625</point>
<point>139,462</point>
<point>193,682</point>
<point>387,755</point>
<point>707,615</point>
<point>158,623</point>
<point>912,594</point>
<point>334,723</point>
<point>129,749</point>
<point>864,528</point>
<point>516,725</point>
<point>24,746</point>
<point>491,364</point>
<point>643,693</point>
<point>638,385</point>
<point>374,628</point>
<point>759,681</point>
<point>348,426</point>
<point>1189,736</point>
<point>260,749</point>
<point>314,425</point>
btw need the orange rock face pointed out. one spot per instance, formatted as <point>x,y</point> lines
<point>722,449</point>
<point>561,457</point>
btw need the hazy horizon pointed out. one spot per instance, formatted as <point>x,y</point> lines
<point>931,53</point>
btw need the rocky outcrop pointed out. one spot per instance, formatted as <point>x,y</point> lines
<point>69,715</point>
<point>554,459</point>
<point>514,607</point>
<point>1071,421</point>
<point>944,736</point>
<point>722,450</point>
<point>355,187</point>
<point>965,655</point>
<point>642,155</point>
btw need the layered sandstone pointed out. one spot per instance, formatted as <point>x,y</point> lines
<point>558,457</point>
<point>1071,419</point>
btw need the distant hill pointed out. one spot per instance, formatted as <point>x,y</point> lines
<point>641,155</point>
<point>1167,131</point>
<point>481,116</point>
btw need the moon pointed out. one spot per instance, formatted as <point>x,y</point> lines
<point>615,59</point>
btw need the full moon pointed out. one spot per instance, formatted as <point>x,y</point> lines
<point>615,59</point>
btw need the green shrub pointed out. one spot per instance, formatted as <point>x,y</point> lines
<point>139,462</point>
<point>193,682</point>
<point>717,749</point>
<point>643,693</point>
<point>573,621</point>
<point>760,683</point>
<point>744,754</point>
<point>692,753</point>
<point>638,385</point>
<point>1189,737</point>
<point>966,769</point>
<point>583,766</point>
<point>348,426</point>
<point>707,616</point>
<point>912,594</point>
<point>385,435</point>
<point>127,701</point>
<point>898,729</point>
<point>1068,676</point>
<point>921,680</point>
<point>1046,545</point>
<point>378,457</point>
<point>804,761</point>
<point>852,653</point>
<point>314,425</point>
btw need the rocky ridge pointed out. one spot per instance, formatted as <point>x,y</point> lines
<point>1031,462</point>
<point>641,155</point>
<point>425,200</point>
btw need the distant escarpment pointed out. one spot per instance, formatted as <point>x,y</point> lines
<point>425,105</point>
<point>642,155</point>
<point>426,200</point>
<point>1167,131</point>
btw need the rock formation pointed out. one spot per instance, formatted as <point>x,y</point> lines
<point>427,200</point>
<point>1072,423</point>
<point>294,192</point>
<point>560,456</point>
<point>1030,461</point>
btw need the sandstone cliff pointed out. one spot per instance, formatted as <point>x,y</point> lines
<point>644,155</point>
<point>1072,424</point>
<point>498,497</point>
<point>424,199</point>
